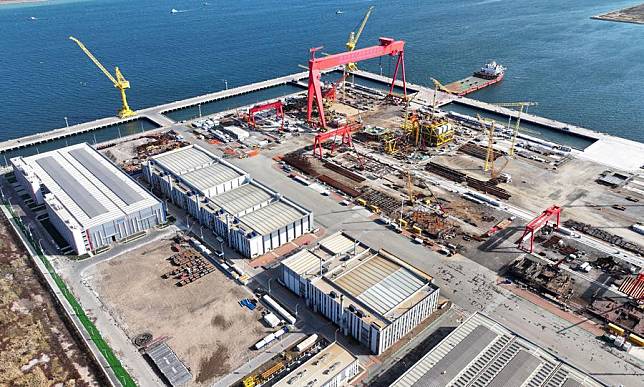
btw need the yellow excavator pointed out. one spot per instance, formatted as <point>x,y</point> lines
<point>118,80</point>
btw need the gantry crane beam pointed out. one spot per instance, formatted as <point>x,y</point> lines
<point>354,36</point>
<point>118,79</point>
<point>488,125</point>
<point>277,105</point>
<point>521,106</point>
<point>537,223</point>
<point>387,47</point>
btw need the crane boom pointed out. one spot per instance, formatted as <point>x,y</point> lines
<point>119,80</point>
<point>521,106</point>
<point>96,62</point>
<point>354,36</point>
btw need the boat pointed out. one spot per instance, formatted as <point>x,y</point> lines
<point>488,75</point>
<point>33,18</point>
<point>491,70</point>
<point>339,12</point>
<point>174,10</point>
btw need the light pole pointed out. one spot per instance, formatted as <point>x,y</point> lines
<point>225,83</point>
<point>201,232</point>
<point>336,335</point>
<point>66,122</point>
<point>42,251</point>
<point>269,285</point>
<point>296,306</point>
<point>199,106</point>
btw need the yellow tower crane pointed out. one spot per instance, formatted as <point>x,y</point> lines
<point>438,86</point>
<point>354,36</point>
<point>488,125</point>
<point>118,80</point>
<point>521,106</point>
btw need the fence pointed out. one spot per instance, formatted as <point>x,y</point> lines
<point>119,371</point>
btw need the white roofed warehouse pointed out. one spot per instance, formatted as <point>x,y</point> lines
<point>89,200</point>
<point>253,218</point>
<point>372,295</point>
<point>482,352</point>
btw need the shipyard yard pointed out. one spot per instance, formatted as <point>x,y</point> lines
<point>322,237</point>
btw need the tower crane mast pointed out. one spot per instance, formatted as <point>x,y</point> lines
<point>117,79</point>
<point>521,106</point>
<point>354,36</point>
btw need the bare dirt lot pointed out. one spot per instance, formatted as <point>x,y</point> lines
<point>203,321</point>
<point>573,186</point>
<point>36,348</point>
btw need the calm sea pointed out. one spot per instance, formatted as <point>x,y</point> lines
<point>581,71</point>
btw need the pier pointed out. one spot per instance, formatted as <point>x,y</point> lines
<point>154,114</point>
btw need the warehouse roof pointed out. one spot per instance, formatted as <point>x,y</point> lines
<point>380,283</point>
<point>270,218</point>
<point>169,364</point>
<point>340,243</point>
<point>319,369</point>
<point>242,198</point>
<point>303,262</point>
<point>483,352</point>
<point>198,168</point>
<point>86,184</point>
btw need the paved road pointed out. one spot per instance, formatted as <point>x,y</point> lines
<point>468,284</point>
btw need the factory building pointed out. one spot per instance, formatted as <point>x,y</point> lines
<point>90,201</point>
<point>373,296</point>
<point>333,366</point>
<point>253,218</point>
<point>482,352</point>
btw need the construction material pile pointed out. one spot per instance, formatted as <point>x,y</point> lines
<point>478,151</point>
<point>605,236</point>
<point>191,266</point>
<point>547,279</point>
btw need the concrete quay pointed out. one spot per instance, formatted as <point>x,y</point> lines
<point>611,151</point>
<point>154,114</point>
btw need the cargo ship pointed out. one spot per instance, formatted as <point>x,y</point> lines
<point>488,75</point>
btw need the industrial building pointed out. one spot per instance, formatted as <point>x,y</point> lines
<point>482,352</point>
<point>333,366</point>
<point>89,200</point>
<point>253,218</point>
<point>371,295</point>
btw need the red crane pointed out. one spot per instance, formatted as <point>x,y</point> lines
<point>344,132</point>
<point>386,47</point>
<point>277,105</point>
<point>537,223</point>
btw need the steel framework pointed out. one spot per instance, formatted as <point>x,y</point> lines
<point>386,47</point>
<point>537,223</point>
<point>277,105</point>
<point>344,132</point>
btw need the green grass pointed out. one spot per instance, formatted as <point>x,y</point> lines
<point>114,363</point>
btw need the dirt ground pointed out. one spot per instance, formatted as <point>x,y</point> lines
<point>572,186</point>
<point>203,321</point>
<point>36,348</point>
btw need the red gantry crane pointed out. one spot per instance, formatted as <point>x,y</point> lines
<point>386,47</point>
<point>537,223</point>
<point>277,105</point>
<point>344,132</point>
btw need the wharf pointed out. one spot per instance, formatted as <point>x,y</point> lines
<point>614,152</point>
<point>611,151</point>
<point>154,114</point>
